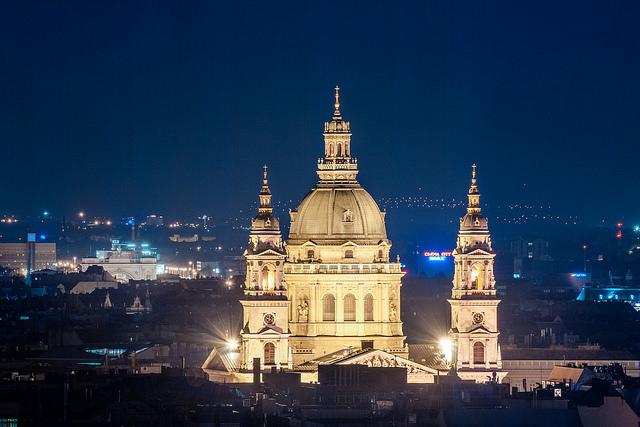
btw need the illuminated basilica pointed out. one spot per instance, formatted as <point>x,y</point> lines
<point>330,294</point>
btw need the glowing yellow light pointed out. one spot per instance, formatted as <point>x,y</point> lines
<point>446,348</point>
<point>232,344</point>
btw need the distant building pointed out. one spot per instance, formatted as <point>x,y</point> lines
<point>154,221</point>
<point>90,287</point>
<point>14,256</point>
<point>126,261</point>
<point>528,366</point>
<point>530,257</point>
<point>628,295</point>
<point>138,307</point>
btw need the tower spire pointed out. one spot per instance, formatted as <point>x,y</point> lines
<point>474,194</point>
<point>265,194</point>
<point>336,112</point>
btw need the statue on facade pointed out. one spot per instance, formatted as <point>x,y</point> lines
<point>393,312</point>
<point>303,311</point>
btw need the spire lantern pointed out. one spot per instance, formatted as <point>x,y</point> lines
<point>337,163</point>
<point>474,194</point>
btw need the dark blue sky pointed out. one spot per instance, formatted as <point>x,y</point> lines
<point>172,107</point>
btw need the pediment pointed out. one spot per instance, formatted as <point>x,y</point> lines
<point>270,330</point>
<point>349,243</point>
<point>309,243</point>
<point>479,251</point>
<point>481,329</point>
<point>267,252</point>
<point>381,358</point>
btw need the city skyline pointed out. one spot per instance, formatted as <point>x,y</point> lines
<point>428,91</point>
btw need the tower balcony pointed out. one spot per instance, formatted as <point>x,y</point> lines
<point>473,293</point>
<point>343,268</point>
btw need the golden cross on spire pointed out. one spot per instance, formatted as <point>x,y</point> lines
<point>265,181</point>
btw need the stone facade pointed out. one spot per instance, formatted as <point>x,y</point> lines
<point>474,304</point>
<point>343,287</point>
<point>265,308</point>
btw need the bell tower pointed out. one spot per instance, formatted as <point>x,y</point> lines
<point>265,308</point>
<point>474,304</point>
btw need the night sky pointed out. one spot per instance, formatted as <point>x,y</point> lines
<point>171,107</point>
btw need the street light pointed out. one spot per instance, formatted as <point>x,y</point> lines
<point>232,344</point>
<point>446,348</point>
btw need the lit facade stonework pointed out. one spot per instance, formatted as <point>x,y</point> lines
<point>330,294</point>
<point>344,289</point>
<point>265,308</point>
<point>474,304</point>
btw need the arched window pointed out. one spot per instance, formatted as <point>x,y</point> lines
<point>477,277</point>
<point>339,150</point>
<point>478,353</point>
<point>368,307</point>
<point>348,253</point>
<point>380,254</point>
<point>311,254</point>
<point>330,150</point>
<point>269,353</point>
<point>268,277</point>
<point>349,308</point>
<point>328,308</point>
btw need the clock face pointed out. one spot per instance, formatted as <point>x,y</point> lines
<point>478,318</point>
<point>269,319</point>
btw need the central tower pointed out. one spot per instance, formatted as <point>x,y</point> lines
<point>344,290</point>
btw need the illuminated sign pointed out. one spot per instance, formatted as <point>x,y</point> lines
<point>516,275</point>
<point>31,237</point>
<point>437,256</point>
<point>579,275</point>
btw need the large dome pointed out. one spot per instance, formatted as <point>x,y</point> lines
<point>336,214</point>
<point>338,209</point>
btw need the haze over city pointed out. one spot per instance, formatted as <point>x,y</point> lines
<point>97,95</point>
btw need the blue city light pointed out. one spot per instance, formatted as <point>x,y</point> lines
<point>437,258</point>
<point>43,236</point>
<point>579,275</point>
<point>516,275</point>
<point>45,213</point>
